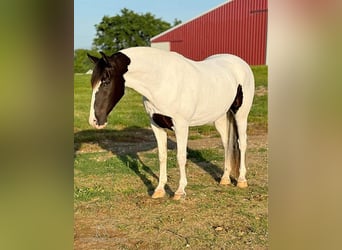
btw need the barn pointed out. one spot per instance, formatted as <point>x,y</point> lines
<point>236,27</point>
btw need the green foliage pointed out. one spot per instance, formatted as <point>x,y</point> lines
<point>176,22</point>
<point>81,62</point>
<point>128,29</point>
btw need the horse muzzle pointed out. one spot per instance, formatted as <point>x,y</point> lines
<point>94,123</point>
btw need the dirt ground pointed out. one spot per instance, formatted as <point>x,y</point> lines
<point>211,216</point>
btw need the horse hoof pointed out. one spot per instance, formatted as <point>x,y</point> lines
<point>158,194</point>
<point>242,184</point>
<point>178,197</point>
<point>225,181</point>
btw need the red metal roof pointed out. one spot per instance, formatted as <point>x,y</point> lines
<point>237,27</point>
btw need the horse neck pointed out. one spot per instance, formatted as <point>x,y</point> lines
<point>144,72</point>
<point>140,81</point>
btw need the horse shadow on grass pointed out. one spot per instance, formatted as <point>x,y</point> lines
<point>128,143</point>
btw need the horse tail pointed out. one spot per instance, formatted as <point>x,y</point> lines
<point>233,143</point>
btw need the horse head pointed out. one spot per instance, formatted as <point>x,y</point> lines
<point>108,86</point>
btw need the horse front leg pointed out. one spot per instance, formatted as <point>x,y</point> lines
<point>161,138</point>
<point>181,132</point>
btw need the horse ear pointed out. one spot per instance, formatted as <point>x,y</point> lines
<point>105,58</point>
<point>93,59</point>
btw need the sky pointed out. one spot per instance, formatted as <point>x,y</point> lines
<point>87,13</point>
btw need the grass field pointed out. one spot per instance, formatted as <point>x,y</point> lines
<point>116,170</point>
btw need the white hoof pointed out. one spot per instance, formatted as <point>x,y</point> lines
<point>179,196</point>
<point>158,194</point>
<point>225,181</point>
<point>242,184</point>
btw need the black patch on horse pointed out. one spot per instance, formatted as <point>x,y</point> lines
<point>163,121</point>
<point>238,100</point>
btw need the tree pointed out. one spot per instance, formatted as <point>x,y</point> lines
<point>127,29</point>
<point>176,22</point>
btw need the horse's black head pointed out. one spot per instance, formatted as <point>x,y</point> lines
<point>108,86</point>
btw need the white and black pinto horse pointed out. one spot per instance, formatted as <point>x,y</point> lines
<point>179,93</point>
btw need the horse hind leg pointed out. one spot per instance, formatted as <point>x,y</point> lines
<point>223,126</point>
<point>241,125</point>
<point>242,142</point>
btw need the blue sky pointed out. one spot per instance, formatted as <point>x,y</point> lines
<point>87,13</point>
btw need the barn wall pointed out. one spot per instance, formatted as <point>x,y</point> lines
<point>238,27</point>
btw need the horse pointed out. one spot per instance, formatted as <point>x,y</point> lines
<point>179,93</point>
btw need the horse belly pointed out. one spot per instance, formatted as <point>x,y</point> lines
<point>211,108</point>
<point>207,117</point>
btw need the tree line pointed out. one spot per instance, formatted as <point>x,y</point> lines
<point>127,29</point>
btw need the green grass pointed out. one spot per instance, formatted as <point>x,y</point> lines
<point>116,169</point>
<point>260,75</point>
<point>89,193</point>
<point>258,115</point>
<point>207,154</point>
